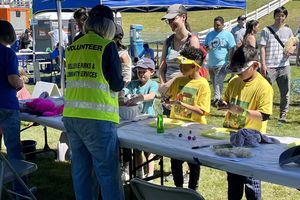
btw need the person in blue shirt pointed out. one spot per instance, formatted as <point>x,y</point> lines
<point>143,90</point>
<point>147,52</point>
<point>10,83</point>
<point>220,44</point>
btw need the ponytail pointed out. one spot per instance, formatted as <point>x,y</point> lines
<point>249,27</point>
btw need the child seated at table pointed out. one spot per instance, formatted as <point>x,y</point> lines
<point>189,97</point>
<point>143,90</point>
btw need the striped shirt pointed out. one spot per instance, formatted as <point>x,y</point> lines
<point>274,51</point>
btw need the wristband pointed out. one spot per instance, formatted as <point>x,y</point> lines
<point>245,113</point>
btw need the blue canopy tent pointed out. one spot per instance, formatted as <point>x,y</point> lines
<point>39,6</point>
<point>135,5</point>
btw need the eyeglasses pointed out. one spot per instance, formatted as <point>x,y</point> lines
<point>170,21</point>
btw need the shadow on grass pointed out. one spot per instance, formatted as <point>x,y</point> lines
<point>53,179</point>
<point>294,104</point>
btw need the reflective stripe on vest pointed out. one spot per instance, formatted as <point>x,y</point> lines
<point>88,84</point>
<point>91,106</point>
<point>91,85</point>
<point>88,94</point>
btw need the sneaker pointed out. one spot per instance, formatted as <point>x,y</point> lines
<point>125,176</point>
<point>125,173</point>
<point>169,178</point>
<point>186,178</point>
<point>140,173</point>
<point>282,118</point>
<point>214,103</point>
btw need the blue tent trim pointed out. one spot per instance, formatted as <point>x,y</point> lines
<point>135,5</point>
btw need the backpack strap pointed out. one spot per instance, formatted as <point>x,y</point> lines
<point>276,36</point>
<point>169,40</point>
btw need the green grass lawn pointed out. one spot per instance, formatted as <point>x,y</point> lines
<point>54,177</point>
<point>157,30</point>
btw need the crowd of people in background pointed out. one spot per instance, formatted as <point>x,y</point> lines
<point>91,101</point>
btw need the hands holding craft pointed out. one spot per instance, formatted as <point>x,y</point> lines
<point>223,105</point>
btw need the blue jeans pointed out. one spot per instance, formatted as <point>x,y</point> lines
<point>95,158</point>
<point>217,75</point>
<point>10,124</point>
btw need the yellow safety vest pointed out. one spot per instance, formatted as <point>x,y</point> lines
<point>87,91</point>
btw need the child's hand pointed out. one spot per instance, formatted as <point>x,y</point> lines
<point>222,105</point>
<point>121,93</point>
<point>235,109</point>
<point>175,102</point>
<point>230,107</point>
<point>134,100</point>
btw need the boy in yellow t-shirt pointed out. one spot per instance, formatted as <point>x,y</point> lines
<point>190,99</point>
<point>248,100</point>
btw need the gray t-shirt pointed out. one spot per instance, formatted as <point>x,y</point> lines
<point>238,33</point>
<point>274,51</point>
<point>173,69</point>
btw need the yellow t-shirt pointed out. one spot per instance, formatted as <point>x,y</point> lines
<point>254,95</point>
<point>192,92</point>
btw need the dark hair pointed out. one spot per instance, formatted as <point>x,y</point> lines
<point>135,59</point>
<point>193,53</point>
<point>119,43</point>
<point>119,36</point>
<point>102,11</point>
<point>146,45</point>
<point>7,32</point>
<point>243,55</point>
<point>187,25</point>
<point>80,14</point>
<point>27,30</point>
<point>249,26</point>
<point>101,21</point>
<point>281,10</point>
<point>220,19</point>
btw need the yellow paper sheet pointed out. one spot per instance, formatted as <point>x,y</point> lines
<point>218,133</point>
<point>168,123</point>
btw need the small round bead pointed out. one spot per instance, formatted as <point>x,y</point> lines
<point>194,138</point>
<point>190,132</point>
<point>180,135</point>
<point>189,137</point>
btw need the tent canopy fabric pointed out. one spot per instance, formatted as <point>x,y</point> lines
<point>135,5</point>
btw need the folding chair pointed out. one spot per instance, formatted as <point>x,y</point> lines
<point>14,170</point>
<point>144,190</point>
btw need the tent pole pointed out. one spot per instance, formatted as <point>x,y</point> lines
<point>61,61</point>
<point>33,36</point>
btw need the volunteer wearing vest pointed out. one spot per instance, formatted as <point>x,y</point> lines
<point>93,76</point>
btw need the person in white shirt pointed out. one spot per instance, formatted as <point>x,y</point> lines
<point>239,30</point>
<point>54,34</point>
